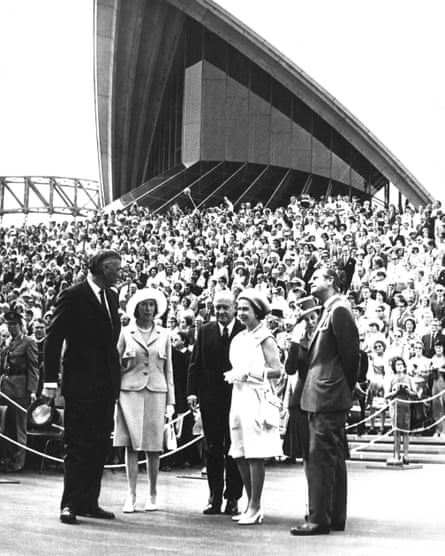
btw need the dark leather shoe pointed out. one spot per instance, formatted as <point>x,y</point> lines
<point>68,516</point>
<point>308,528</point>
<point>211,509</point>
<point>338,526</point>
<point>97,513</point>
<point>231,507</point>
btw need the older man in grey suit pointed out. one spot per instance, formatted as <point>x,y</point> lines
<point>327,397</point>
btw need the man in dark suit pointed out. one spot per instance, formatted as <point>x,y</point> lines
<point>333,361</point>
<point>429,339</point>
<point>209,362</point>
<point>86,322</point>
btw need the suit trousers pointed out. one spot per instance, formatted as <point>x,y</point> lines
<point>218,462</point>
<point>88,426</point>
<point>15,428</point>
<point>326,470</point>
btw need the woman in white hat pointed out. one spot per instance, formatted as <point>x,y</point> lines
<point>147,390</point>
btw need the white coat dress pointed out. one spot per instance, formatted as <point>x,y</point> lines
<point>250,436</point>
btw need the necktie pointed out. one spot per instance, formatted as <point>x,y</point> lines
<point>225,335</point>
<point>103,302</point>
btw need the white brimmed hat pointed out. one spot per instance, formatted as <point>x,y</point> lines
<point>143,295</point>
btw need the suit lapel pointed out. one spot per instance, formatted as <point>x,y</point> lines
<point>93,299</point>
<point>321,323</point>
<point>137,337</point>
<point>324,318</point>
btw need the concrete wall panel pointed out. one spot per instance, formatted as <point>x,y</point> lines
<point>259,138</point>
<point>214,119</point>
<point>340,170</point>
<point>191,127</point>
<point>237,129</point>
<point>321,159</point>
<point>300,148</point>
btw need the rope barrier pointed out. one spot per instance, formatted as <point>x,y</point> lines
<point>28,449</point>
<point>366,419</point>
<point>110,466</point>
<point>385,407</point>
<point>24,410</point>
<point>371,442</point>
<point>114,466</point>
<point>200,437</point>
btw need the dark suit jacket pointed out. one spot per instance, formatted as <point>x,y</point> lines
<point>333,361</point>
<point>90,362</point>
<point>297,362</point>
<point>180,360</point>
<point>428,341</point>
<point>208,364</point>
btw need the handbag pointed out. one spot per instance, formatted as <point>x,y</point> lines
<point>170,441</point>
<point>271,408</point>
<point>284,422</point>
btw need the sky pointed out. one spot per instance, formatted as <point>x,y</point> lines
<point>382,59</point>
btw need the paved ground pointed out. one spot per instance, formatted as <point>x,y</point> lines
<point>391,512</point>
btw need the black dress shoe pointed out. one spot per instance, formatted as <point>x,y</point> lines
<point>338,526</point>
<point>97,513</point>
<point>308,528</point>
<point>231,507</point>
<point>211,509</point>
<point>68,516</point>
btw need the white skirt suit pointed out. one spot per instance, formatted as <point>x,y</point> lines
<point>250,436</point>
<point>146,388</point>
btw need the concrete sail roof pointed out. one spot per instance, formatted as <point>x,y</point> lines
<point>221,22</point>
<point>136,41</point>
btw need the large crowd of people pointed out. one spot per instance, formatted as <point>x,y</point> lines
<point>390,264</point>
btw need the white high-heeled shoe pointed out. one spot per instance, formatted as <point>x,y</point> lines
<point>256,519</point>
<point>129,506</point>
<point>150,504</point>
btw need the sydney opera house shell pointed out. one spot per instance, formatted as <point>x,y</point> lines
<point>188,98</point>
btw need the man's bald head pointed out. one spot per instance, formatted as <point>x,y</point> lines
<point>224,304</point>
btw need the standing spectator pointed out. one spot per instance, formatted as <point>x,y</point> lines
<point>19,377</point>
<point>39,336</point>
<point>400,391</point>
<point>181,360</point>
<point>147,391</point>
<point>429,339</point>
<point>296,439</point>
<point>438,303</point>
<point>438,386</point>
<point>86,318</point>
<point>210,359</point>
<point>327,396</point>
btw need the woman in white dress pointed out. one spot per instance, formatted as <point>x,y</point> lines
<point>147,391</point>
<point>254,356</point>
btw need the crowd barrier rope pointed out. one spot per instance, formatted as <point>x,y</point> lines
<point>109,466</point>
<point>200,437</point>
<point>408,402</point>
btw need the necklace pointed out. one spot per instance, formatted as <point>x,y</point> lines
<point>144,330</point>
